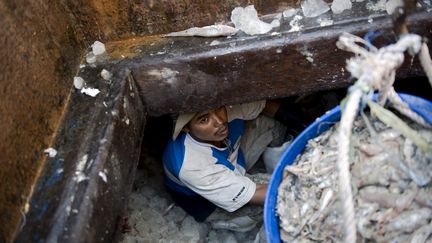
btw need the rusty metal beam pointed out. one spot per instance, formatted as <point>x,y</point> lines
<point>83,190</point>
<point>190,74</point>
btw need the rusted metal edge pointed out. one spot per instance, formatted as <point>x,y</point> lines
<point>198,76</point>
<point>82,190</point>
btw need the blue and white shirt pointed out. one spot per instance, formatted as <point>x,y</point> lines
<point>217,174</point>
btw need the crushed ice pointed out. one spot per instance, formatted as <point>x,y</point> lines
<point>90,91</point>
<point>391,5</point>
<point>206,31</point>
<point>90,58</point>
<point>79,171</point>
<point>97,53</point>
<point>289,12</point>
<point>78,82</point>
<point>51,152</point>
<point>338,6</point>
<point>98,48</point>
<point>324,21</point>
<point>295,23</point>
<point>378,6</point>
<point>275,23</point>
<point>105,74</point>
<point>246,19</point>
<point>314,8</point>
<point>214,43</point>
<point>103,176</point>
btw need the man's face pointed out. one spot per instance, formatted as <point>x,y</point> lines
<point>209,126</point>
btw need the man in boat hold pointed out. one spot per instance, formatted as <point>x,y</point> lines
<point>206,160</point>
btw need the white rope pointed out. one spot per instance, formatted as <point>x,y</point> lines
<point>404,109</point>
<point>426,61</point>
<point>384,92</point>
<point>348,116</point>
<point>375,70</point>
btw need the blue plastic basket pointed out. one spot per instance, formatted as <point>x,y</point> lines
<point>271,219</point>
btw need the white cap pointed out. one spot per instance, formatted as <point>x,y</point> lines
<point>181,121</point>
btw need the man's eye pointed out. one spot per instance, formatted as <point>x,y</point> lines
<point>204,120</point>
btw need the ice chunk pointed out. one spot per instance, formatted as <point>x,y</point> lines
<point>90,91</point>
<point>378,6</point>
<point>246,19</point>
<point>391,5</point>
<point>98,48</point>
<point>90,58</point>
<point>324,21</point>
<point>206,31</point>
<point>314,8</point>
<point>103,176</point>
<point>192,231</point>
<point>275,23</point>
<point>289,12</point>
<point>295,24</point>
<point>214,43</point>
<point>307,54</point>
<point>338,6</point>
<point>278,16</point>
<point>78,82</point>
<point>106,74</point>
<point>51,152</point>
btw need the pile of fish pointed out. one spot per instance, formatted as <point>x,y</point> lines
<point>391,184</point>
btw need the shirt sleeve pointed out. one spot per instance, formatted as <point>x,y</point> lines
<point>218,184</point>
<point>247,111</point>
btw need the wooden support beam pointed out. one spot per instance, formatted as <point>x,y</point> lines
<point>190,74</point>
<point>82,191</point>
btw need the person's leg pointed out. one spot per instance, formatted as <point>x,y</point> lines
<point>258,135</point>
<point>245,219</point>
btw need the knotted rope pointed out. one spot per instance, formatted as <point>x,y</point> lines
<point>374,69</point>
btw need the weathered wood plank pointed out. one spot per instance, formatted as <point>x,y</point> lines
<point>82,191</point>
<point>189,74</point>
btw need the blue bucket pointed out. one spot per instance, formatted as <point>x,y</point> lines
<point>271,220</point>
